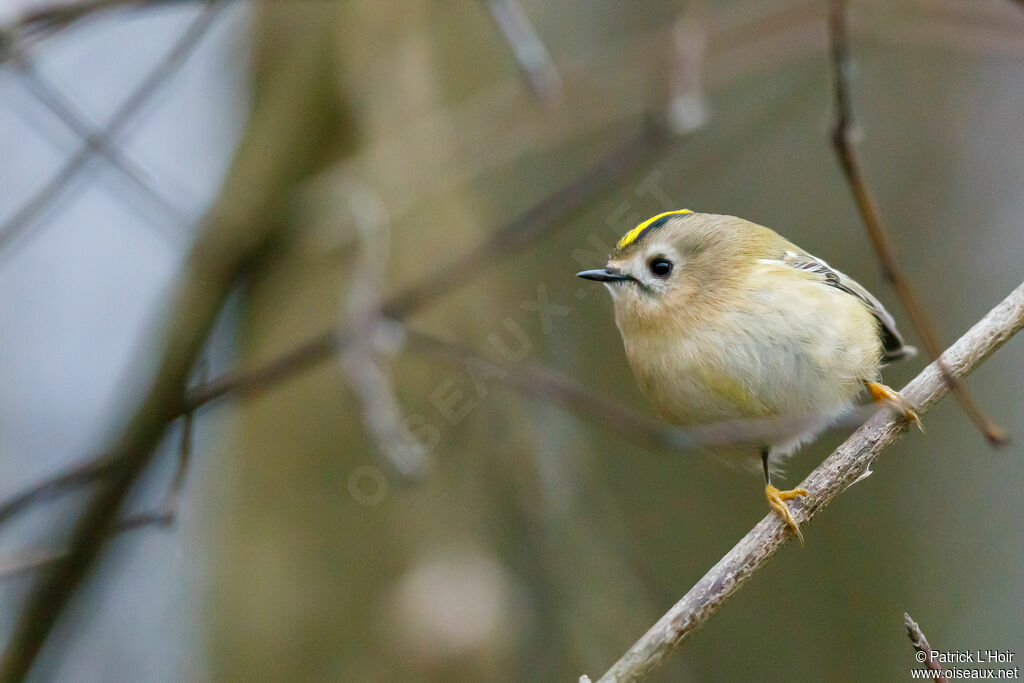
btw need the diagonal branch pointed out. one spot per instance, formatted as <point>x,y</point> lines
<point>279,149</point>
<point>520,232</point>
<point>50,19</point>
<point>163,515</point>
<point>531,55</point>
<point>235,244</point>
<point>841,469</point>
<point>848,161</point>
<point>65,110</point>
<point>527,379</point>
<point>15,227</point>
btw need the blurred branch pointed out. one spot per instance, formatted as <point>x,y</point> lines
<point>921,645</point>
<point>836,474</point>
<point>75,476</point>
<point>652,141</point>
<point>366,360</point>
<point>287,139</point>
<point>233,238</point>
<point>42,559</point>
<point>520,232</point>
<point>689,107</point>
<point>848,161</point>
<point>47,20</point>
<point>531,55</point>
<point>164,515</point>
<point>18,223</point>
<point>65,110</point>
<point>529,380</point>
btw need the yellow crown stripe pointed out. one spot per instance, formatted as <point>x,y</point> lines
<point>631,236</point>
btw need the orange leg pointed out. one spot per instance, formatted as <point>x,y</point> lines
<point>777,499</point>
<point>881,393</point>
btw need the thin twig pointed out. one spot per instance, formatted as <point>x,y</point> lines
<point>836,474</point>
<point>163,515</point>
<point>921,645</point>
<point>88,471</point>
<point>534,223</point>
<point>43,21</point>
<point>531,55</point>
<point>72,478</point>
<point>30,561</point>
<point>68,113</point>
<point>520,232</point>
<point>652,141</point>
<point>367,360</point>
<point>529,380</point>
<point>17,224</point>
<point>35,560</point>
<point>850,164</point>
<point>164,402</point>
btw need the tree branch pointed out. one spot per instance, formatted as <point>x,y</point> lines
<point>876,230</point>
<point>533,58</point>
<point>15,227</point>
<point>279,149</point>
<point>163,515</point>
<point>851,461</point>
<point>43,21</point>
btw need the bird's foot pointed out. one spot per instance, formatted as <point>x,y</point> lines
<point>881,393</point>
<point>777,499</point>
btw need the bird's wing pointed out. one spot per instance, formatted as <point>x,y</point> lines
<point>891,340</point>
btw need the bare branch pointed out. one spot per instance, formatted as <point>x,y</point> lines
<point>41,559</point>
<point>366,361</point>
<point>47,20</point>
<point>523,230</point>
<point>29,562</point>
<point>531,55</point>
<point>68,113</point>
<point>75,476</point>
<point>164,515</point>
<point>876,230</point>
<point>16,226</point>
<point>518,233</point>
<point>529,380</point>
<point>238,230</point>
<point>840,470</point>
<point>921,645</point>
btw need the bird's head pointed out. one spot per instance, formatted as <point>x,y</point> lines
<point>674,266</point>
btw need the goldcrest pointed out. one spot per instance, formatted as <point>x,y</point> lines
<point>724,319</point>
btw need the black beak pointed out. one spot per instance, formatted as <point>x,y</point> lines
<point>604,275</point>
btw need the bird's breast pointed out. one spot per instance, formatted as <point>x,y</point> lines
<point>759,361</point>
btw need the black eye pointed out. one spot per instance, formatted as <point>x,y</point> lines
<point>660,267</point>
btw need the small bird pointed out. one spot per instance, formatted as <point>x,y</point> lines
<point>724,319</point>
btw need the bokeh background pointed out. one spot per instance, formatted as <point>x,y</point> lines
<point>387,140</point>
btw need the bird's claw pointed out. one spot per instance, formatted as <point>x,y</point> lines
<point>881,393</point>
<point>777,499</point>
